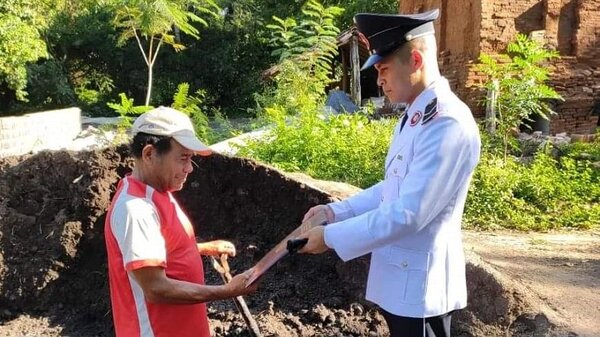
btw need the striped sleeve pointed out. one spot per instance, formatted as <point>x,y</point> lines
<point>136,227</point>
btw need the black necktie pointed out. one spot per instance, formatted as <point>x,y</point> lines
<point>404,119</point>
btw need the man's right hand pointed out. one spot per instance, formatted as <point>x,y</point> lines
<point>237,285</point>
<point>320,209</point>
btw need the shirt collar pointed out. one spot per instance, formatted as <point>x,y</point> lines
<point>426,96</point>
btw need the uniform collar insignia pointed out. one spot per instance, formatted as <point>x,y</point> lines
<point>415,118</point>
<point>431,111</point>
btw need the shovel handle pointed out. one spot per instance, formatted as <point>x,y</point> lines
<point>294,245</point>
<point>239,301</point>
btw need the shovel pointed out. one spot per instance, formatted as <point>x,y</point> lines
<point>289,245</point>
<point>223,270</point>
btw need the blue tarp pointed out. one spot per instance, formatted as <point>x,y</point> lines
<point>340,102</point>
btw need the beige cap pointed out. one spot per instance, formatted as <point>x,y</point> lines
<point>164,121</point>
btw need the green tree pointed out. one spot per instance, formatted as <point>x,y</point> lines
<point>24,41</point>
<point>311,42</point>
<point>154,22</point>
<point>353,7</point>
<point>21,43</point>
<point>306,49</point>
<point>520,85</point>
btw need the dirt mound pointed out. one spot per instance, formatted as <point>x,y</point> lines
<point>52,254</point>
<point>53,263</point>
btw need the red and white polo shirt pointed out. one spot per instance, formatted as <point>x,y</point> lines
<point>144,228</point>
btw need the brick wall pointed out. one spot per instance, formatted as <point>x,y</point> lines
<point>454,36</point>
<point>587,36</point>
<point>458,40</point>
<point>459,69</point>
<point>37,131</point>
<point>501,20</point>
<point>575,78</point>
<point>579,84</point>
<point>560,25</point>
<point>570,26</point>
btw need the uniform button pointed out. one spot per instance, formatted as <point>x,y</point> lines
<point>395,171</point>
<point>404,264</point>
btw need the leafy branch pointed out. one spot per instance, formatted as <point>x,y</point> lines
<point>518,79</point>
<point>156,22</point>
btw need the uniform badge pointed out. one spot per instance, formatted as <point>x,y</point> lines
<point>415,118</point>
<point>431,111</point>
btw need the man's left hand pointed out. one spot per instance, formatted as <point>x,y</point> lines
<point>316,241</point>
<point>216,248</point>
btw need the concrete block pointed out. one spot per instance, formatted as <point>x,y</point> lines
<point>37,131</point>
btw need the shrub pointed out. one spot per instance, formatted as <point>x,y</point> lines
<point>193,105</point>
<point>520,85</point>
<point>545,194</point>
<point>347,148</point>
<point>306,50</point>
<point>48,85</point>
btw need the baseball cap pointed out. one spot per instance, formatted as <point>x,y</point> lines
<point>164,121</point>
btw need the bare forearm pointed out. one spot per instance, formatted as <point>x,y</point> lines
<point>203,248</point>
<point>216,248</point>
<point>182,292</point>
<point>159,288</point>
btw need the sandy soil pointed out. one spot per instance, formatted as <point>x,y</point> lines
<point>561,269</point>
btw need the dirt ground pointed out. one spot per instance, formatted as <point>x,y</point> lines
<point>560,270</point>
<point>53,265</point>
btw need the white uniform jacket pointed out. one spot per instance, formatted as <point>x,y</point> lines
<point>411,221</point>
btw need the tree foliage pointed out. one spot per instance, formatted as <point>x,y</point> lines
<point>21,43</point>
<point>85,67</point>
<point>306,49</point>
<point>353,7</point>
<point>311,42</point>
<point>520,83</point>
<point>156,22</point>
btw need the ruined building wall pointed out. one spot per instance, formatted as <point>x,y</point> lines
<point>579,84</point>
<point>502,20</point>
<point>561,25</point>
<point>458,40</point>
<point>576,76</point>
<point>572,27</point>
<point>587,36</point>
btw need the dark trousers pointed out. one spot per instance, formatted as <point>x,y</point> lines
<point>438,326</point>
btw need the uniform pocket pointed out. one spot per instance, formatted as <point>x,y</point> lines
<point>393,179</point>
<point>410,266</point>
<point>398,167</point>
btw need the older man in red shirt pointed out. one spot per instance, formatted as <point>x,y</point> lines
<point>155,268</point>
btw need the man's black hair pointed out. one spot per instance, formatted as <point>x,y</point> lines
<point>162,144</point>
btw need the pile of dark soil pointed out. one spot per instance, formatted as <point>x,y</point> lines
<point>53,278</point>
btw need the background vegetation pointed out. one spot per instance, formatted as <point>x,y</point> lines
<point>57,53</point>
<point>557,187</point>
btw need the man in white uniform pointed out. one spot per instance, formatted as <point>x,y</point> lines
<point>411,221</point>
